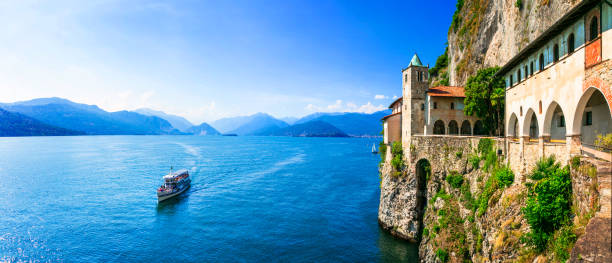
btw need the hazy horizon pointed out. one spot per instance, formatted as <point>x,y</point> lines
<point>208,60</point>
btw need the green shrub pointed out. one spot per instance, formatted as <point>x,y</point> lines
<point>490,161</point>
<point>505,176</point>
<point>454,179</point>
<point>436,229</point>
<point>459,154</point>
<point>490,187</point>
<point>563,243</point>
<point>604,142</point>
<point>442,255</point>
<point>466,196</point>
<point>518,4</point>
<point>425,232</point>
<point>441,194</point>
<point>544,167</point>
<point>548,202</point>
<point>575,161</point>
<point>485,145</point>
<point>475,161</point>
<point>398,157</point>
<point>382,149</point>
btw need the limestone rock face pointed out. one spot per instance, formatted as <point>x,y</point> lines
<point>491,32</point>
<point>397,212</point>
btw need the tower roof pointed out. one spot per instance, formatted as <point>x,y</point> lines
<point>415,61</point>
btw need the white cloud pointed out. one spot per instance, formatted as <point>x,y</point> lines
<point>340,106</point>
<point>380,97</point>
<point>394,96</point>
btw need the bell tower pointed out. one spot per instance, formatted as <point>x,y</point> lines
<point>415,82</point>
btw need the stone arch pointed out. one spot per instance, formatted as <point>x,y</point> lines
<point>439,127</point>
<point>423,173</point>
<point>512,126</point>
<point>479,128</point>
<point>530,124</point>
<point>593,100</point>
<point>554,122</point>
<point>466,128</point>
<point>453,127</point>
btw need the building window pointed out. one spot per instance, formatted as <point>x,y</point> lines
<point>594,29</point>
<point>518,76</point>
<point>571,43</point>
<point>531,68</point>
<point>561,121</point>
<point>435,105</point>
<point>540,107</point>
<point>541,62</point>
<point>452,106</point>
<point>406,78</point>
<point>526,71</point>
<point>589,118</point>
<point>511,81</point>
<point>556,53</point>
<point>422,106</point>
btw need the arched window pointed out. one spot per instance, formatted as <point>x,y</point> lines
<point>453,127</point>
<point>526,71</point>
<point>439,127</point>
<point>556,53</point>
<point>541,62</point>
<point>594,29</point>
<point>406,78</point>
<point>452,106</point>
<point>511,80</point>
<point>531,68</point>
<point>466,128</point>
<point>518,76</point>
<point>571,45</point>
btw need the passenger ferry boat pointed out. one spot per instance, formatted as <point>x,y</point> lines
<point>175,183</point>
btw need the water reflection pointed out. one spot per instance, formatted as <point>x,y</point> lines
<point>393,249</point>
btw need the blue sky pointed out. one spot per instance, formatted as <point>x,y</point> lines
<point>206,60</point>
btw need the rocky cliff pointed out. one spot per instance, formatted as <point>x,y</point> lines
<point>469,213</point>
<point>489,32</point>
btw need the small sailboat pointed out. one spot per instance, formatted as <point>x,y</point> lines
<point>374,150</point>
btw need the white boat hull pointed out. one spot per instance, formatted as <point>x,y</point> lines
<point>168,196</point>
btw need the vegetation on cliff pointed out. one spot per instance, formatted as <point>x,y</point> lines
<point>484,97</point>
<point>548,209</point>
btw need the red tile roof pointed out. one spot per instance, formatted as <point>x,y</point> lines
<point>447,91</point>
<point>395,101</point>
<point>390,115</point>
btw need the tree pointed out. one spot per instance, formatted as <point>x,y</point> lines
<point>484,97</point>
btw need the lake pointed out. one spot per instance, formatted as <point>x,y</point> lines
<point>253,199</point>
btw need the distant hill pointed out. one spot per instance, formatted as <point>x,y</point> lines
<point>289,120</point>
<point>177,122</point>
<point>202,129</point>
<point>15,124</point>
<point>310,129</point>
<point>226,125</point>
<point>89,118</point>
<point>353,124</point>
<point>258,124</point>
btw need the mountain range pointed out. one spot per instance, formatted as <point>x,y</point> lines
<point>15,124</point>
<point>177,122</point>
<point>57,116</point>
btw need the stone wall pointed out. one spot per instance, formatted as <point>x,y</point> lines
<point>398,210</point>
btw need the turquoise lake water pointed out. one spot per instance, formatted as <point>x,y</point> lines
<point>253,199</point>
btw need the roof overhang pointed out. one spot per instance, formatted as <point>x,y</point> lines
<point>569,18</point>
